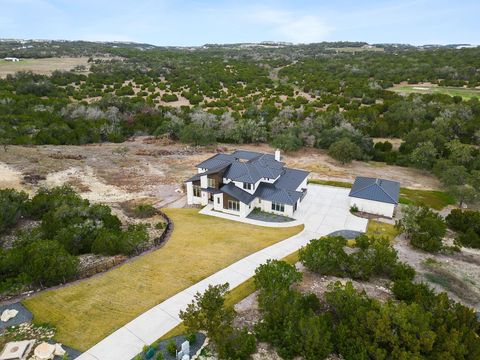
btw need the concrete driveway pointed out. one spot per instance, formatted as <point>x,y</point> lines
<point>325,209</point>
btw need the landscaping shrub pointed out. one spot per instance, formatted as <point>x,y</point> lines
<point>191,338</point>
<point>171,347</point>
<point>144,211</point>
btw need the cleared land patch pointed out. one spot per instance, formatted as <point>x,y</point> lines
<point>435,89</point>
<point>41,66</point>
<point>86,312</point>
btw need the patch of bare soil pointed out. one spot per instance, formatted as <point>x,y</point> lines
<point>317,284</point>
<point>10,177</point>
<point>324,167</point>
<point>457,274</point>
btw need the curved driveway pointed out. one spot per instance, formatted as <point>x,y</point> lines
<point>324,210</point>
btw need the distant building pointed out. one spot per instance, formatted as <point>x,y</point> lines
<point>375,196</point>
<point>12,59</point>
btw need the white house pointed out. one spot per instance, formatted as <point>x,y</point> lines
<point>375,196</point>
<point>242,181</point>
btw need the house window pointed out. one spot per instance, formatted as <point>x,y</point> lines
<point>247,186</point>
<point>278,207</point>
<point>233,205</point>
<point>211,182</point>
<point>218,200</point>
<point>196,191</point>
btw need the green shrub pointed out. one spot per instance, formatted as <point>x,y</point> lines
<point>191,338</point>
<point>326,256</point>
<point>423,227</point>
<point>13,205</point>
<point>169,97</point>
<point>402,271</point>
<point>160,225</point>
<point>46,262</point>
<point>240,345</point>
<point>172,347</point>
<point>144,211</point>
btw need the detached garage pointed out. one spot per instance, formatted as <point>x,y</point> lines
<point>375,196</point>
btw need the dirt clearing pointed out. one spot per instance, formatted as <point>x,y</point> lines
<point>41,66</point>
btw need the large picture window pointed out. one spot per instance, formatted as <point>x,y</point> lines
<point>278,207</point>
<point>211,182</point>
<point>233,205</point>
<point>197,192</point>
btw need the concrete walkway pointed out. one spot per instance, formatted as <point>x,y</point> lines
<point>208,210</point>
<point>324,210</point>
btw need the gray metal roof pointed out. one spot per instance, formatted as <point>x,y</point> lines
<point>291,179</point>
<point>250,167</point>
<point>216,161</point>
<point>244,172</point>
<point>194,178</point>
<point>237,193</point>
<point>382,190</point>
<point>213,170</point>
<point>272,193</point>
<point>246,155</point>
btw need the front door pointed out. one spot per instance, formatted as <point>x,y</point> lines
<point>210,197</point>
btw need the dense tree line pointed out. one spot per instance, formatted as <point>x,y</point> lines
<point>68,226</point>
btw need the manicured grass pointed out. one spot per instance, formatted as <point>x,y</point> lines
<point>435,199</point>
<point>86,312</point>
<point>433,89</point>
<point>378,228</point>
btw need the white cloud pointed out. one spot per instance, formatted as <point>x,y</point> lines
<point>289,25</point>
<point>306,29</point>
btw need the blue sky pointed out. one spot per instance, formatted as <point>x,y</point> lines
<point>184,22</point>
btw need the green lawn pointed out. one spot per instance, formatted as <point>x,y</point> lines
<point>435,199</point>
<point>342,184</point>
<point>86,312</point>
<point>380,229</point>
<point>433,89</point>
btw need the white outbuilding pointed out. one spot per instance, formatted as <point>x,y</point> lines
<point>375,196</point>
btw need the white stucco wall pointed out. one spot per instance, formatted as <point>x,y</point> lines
<point>192,200</point>
<point>204,198</point>
<point>373,207</point>
<point>303,185</point>
<point>266,206</point>
<point>218,202</point>
<point>204,181</point>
